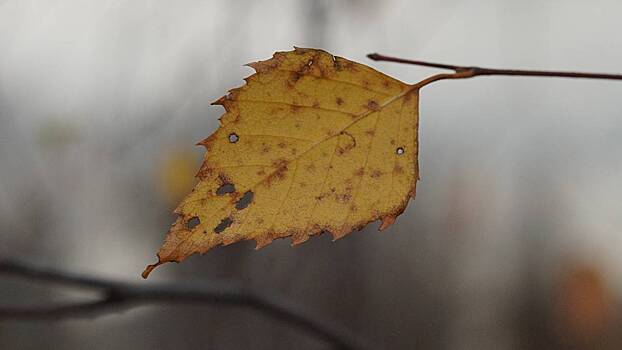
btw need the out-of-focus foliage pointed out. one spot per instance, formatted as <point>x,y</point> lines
<point>177,169</point>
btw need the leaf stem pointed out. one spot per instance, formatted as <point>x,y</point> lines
<point>462,72</point>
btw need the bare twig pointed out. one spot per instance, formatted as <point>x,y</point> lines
<point>462,72</point>
<point>124,295</point>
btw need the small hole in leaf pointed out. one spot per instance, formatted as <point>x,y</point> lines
<point>246,199</point>
<point>192,222</point>
<point>225,188</point>
<point>399,151</point>
<point>224,223</point>
<point>233,137</point>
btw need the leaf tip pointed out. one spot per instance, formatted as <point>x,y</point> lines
<point>299,238</point>
<point>150,268</point>
<point>219,102</point>
<point>386,222</point>
<point>203,142</point>
<point>255,65</point>
<point>262,241</point>
<point>340,234</point>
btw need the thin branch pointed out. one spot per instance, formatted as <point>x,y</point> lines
<point>462,72</point>
<point>116,295</point>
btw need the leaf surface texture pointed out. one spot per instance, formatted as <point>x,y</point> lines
<point>312,143</point>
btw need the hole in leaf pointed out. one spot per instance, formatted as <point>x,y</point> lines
<point>225,188</point>
<point>246,199</point>
<point>192,222</point>
<point>224,223</point>
<point>233,137</point>
<point>399,151</point>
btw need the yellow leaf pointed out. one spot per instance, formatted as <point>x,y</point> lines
<point>312,143</point>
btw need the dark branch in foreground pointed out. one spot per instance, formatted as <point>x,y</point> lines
<point>116,295</point>
<point>462,72</point>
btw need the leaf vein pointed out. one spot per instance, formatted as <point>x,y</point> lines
<point>337,81</point>
<point>298,105</point>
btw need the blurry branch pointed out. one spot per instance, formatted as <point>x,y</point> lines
<point>462,72</point>
<point>117,295</point>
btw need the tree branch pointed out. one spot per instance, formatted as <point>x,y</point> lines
<point>123,295</point>
<point>462,72</point>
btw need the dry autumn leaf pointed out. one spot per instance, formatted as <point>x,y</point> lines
<point>312,143</point>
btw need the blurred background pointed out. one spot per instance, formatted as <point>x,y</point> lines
<point>514,241</point>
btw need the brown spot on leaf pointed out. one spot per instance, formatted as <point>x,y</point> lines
<point>205,172</point>
<point>345,197</point>
<point>373,105</point>
<point>337,65</point>
<point>376,174</point>
<point>281,145</point>
<point>223,179</point>
<point>398,169</point>
<point>360,171</point>
<point>370,132</point>
<point>339,101</point>
<point>279,173</point>
<point>294,77</point>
